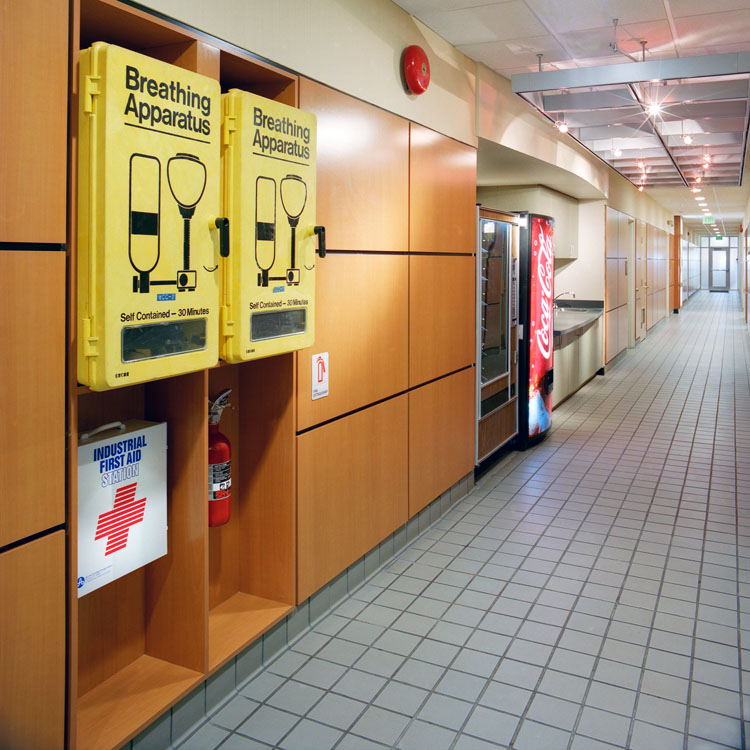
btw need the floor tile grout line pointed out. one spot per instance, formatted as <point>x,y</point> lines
<point>592,497</point>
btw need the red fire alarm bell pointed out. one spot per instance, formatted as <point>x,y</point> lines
<point>416,69</point>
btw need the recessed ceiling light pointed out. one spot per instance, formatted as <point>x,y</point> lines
<point>695,190</point>
<point>653,109</point>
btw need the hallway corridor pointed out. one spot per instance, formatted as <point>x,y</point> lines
<point>588,593</point>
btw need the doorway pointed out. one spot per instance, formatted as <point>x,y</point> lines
<point>718,269</point>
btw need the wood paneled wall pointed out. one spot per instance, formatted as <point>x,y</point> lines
<point>395,313</point>
<point>616,282</point>
<point>33,230</point>
<point>657,255</point>
<point>675,260</point>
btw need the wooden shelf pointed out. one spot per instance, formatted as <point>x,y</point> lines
<point>237,622</point>
<point>124,704</point>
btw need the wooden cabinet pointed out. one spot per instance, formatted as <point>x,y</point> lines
<point>363,171</point>
<point>441,315</point>
<point>442,193</point>
<point>612,291</point>
<point>252,571</point>
<point>32,644</point>
<point>141,643</point>
<point>32,441</point>
<point>441,436</point>
<point>362,321</point>
<point>352,489</point>
<point>33,121</point>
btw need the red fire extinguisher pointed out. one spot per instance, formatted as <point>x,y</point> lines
<point>219,465</point>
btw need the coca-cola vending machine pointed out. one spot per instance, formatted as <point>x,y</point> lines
<point>536,294</point>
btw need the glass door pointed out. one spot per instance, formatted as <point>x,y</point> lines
<point>718,269</point>
<point>494,327</point>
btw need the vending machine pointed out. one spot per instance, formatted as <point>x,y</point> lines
<point>536,327</point>
<point>496,327</point>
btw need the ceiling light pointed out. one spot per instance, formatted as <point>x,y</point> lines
<point>562,126</point>
<point>688,139</point>
<point>698,180</point>
<point>707,158</point>
<point>695,190</point>
<point>641,166</point>
<point>653,109</point>
<point>640,188</point>
<point>617,153</point>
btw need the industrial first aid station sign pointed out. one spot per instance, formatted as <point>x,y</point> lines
<point>148,200</point>
<point>122,502</point>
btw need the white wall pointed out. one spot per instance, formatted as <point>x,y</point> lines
<point>352,45</point>
<point>585,276</point>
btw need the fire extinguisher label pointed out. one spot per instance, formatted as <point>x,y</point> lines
<point>319,375</point>
<point>219,480</point>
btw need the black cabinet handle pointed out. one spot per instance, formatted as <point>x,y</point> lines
<point>222,224</point>
<point>321,232</point>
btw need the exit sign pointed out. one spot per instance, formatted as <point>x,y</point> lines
<point>719,237</point>
<point>708,219</point>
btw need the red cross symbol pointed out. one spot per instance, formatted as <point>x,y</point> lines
<point>115,523</point>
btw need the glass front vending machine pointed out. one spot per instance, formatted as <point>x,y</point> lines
<point>496,330</point>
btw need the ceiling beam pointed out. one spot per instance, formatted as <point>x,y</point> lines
<point>608,75</point>
<point>655,129</point>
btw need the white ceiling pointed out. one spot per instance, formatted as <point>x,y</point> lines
<point>508,36</point>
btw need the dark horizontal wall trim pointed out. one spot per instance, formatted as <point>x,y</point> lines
<point>382,400</point>
<point>396,252</point>
<point>33,537</point>
<point>26,246</point>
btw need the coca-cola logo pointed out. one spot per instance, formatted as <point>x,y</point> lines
<point>545,276</point>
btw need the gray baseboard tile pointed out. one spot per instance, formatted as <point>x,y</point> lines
<point>248,662</point>
<point>187,715</point>
<point>274,641</point>
<point>176,725</point>
<point>157,736</point>
<point>219,685</point>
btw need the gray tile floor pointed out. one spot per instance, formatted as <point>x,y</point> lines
<point>589,593</point>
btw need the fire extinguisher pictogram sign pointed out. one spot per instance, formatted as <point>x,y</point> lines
<point>319,375</point>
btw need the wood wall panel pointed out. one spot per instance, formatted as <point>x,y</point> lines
<point>441,436</point>
<point>33,121</point>
<point>442,197</point>
<point>612,291</point>
<point>268,510</point>
<point>32,644</point>
<point>178,582</point>
<point>224,541</point>
<point>32,373</point>
<point>441,315</point>
<point>363,171</point>
<point>352,478</point>
<point>361,320</point>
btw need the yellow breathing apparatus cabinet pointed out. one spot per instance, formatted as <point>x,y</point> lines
<point>268,280</point>
<point>149,232</point>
